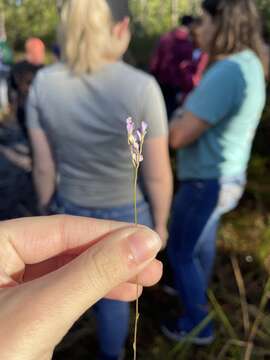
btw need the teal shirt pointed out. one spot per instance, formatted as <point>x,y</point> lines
<point>230,98</point>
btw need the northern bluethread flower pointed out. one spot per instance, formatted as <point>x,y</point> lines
<point>135,140</point>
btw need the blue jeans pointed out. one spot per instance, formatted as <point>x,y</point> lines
<point>197,211</point>
<point>112,316</point>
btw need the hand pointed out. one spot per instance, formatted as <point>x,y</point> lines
<point>52,269</point>
<point>162,231</point>
<point>22,161</point>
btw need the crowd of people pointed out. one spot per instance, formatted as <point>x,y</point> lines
<point>203,98</point>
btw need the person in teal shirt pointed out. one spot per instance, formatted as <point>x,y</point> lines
<point>213,138</point>
<point>230,99</point>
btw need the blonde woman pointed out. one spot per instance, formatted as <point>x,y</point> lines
<point>76,117</point>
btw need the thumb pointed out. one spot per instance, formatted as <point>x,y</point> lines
<point>60,298</point>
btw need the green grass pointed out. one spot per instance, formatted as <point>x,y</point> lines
<point>244,233</point>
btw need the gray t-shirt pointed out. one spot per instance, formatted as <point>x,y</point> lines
<point>84,119</point>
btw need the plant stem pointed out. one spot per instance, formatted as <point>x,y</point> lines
<point>257,321</point>
<point>135,195</point>
<point>222,315</point>
<point>242,293</point>
<point>231,342</point>
<point>137,315</point>
<point>182,347</point>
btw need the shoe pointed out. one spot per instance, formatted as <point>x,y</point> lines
<point>173,332</point>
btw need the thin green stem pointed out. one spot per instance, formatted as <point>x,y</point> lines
<point>257,322</point>
<point>135,195</point>
<point>242,292</point>
<point>137,315</point>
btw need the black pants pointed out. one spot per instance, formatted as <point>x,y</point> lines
<point>170,96</point>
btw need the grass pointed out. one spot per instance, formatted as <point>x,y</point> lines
<point>240,276</point>
<point>241,312</point>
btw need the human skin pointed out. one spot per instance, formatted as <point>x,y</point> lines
<point>53,269</point>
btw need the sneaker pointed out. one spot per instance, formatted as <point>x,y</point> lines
<point>173,332</point>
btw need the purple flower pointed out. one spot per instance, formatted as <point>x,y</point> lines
<point>136,140</point>
<point>139,135</point>
<point>144,127</point>
<point>130,126</point>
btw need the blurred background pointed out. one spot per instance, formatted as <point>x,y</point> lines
<point>244,239</point>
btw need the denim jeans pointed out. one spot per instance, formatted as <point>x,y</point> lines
<point>112,316</point>
<point>197,211</point>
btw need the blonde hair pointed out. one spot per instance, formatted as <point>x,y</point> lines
<point>86,37</point>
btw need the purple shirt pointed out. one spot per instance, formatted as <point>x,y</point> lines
<point>173,48</point>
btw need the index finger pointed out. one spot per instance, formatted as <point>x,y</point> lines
<point>37,239</point>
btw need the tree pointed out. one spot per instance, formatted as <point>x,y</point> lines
<point>29,18</point>
<point>264,6</point>
<point>157,16</point>
<point>26,18</point>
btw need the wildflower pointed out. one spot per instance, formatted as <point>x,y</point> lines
<point>135,140</point>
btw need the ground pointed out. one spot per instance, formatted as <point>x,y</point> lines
<point>244,234</point>
<point>238,237</point>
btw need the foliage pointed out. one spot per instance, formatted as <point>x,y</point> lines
<point>264,6</point>
<point>25,18</point>
<point>29,18</point>
<point>242,349</point>
<point>157,16</point>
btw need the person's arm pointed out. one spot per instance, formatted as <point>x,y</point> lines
<point>217,97</point>
<point>185,130</point>
<point>18,159</point>
<point>44,173</point>
<point>156,167</point>
<point>158,181</point>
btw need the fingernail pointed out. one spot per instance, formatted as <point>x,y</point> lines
<point>144,245</point>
